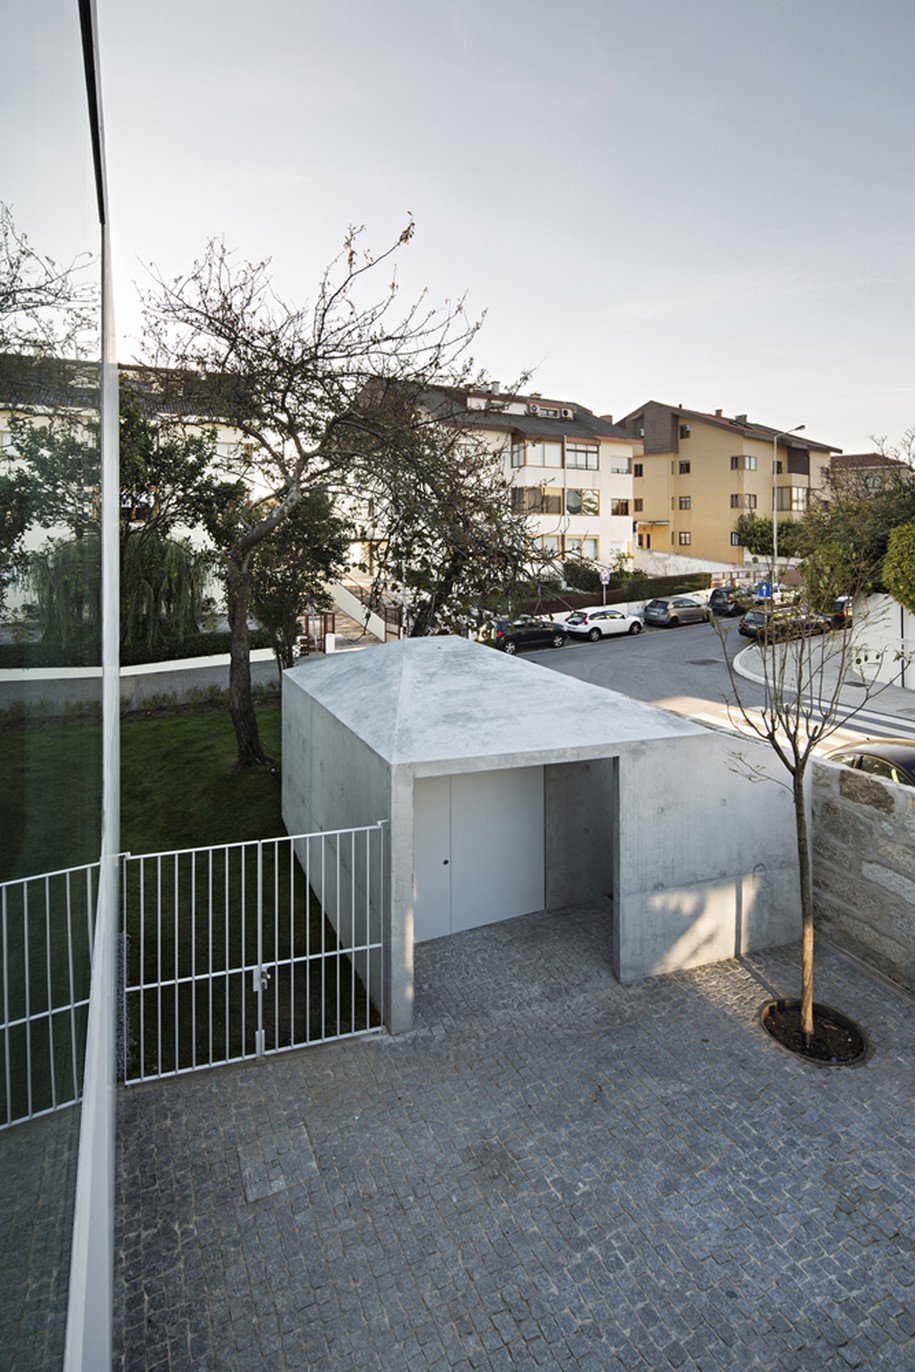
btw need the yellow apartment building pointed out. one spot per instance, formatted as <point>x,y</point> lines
<point>699,472</point>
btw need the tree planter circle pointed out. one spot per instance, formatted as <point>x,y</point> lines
<point>837,1041</point>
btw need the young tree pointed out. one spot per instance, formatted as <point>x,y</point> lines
<point>804,670</point>
<point>307,387</point>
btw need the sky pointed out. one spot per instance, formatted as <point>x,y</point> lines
<point>701,202</point>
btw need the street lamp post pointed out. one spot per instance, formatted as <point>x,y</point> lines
<point>783,433</point>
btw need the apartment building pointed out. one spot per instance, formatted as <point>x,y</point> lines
<point>699,472</point>
<point>570,469</point>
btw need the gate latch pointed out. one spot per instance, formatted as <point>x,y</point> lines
<point>260,976</point>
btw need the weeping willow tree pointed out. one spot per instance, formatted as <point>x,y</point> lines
<point>66,581</point>
<point>162,582</point>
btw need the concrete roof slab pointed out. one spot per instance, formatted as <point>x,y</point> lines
<point>436,704</point>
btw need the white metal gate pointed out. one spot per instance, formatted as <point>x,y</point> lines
<point>250,948</point>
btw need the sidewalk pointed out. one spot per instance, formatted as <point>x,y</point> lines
<point>550,1171</point>
<point>894,701</point>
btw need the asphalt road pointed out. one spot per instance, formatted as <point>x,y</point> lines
<point>684,670</point>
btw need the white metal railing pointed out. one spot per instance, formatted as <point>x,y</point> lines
<point>46,933</point>
<point>250,948</point>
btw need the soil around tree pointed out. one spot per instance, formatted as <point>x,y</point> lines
<point>836,1041</point>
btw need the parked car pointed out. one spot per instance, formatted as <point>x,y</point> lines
<point>775,626</point>
<point>525,632</point>
<point>730,600</point>
<point>669,611</point>
<point>600,621</point>
<point>890,759</point>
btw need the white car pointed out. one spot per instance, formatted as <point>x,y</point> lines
<point>600,621</point>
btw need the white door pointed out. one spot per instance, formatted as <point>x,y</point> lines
<point>478,849</point>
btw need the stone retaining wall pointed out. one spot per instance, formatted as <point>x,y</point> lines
<point>864,868</point>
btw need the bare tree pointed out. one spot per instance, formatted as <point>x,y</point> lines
<point>315,392</point>
<point>806,664</point>
<point>45,307</point>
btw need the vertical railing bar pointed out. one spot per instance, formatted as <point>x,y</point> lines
<point>323,938</point>
<point>210,949</point>
<point>6,1008</point>
<point>259,1032</point>
<point>292,942</point>
<point>339,956</point>
<point>50,990</point>
<point>307,940</point>
<point>367,1007</point>
<point>176,960</point>
<point>226,922</point>
<point>193,925</point>
<point>28,995</point>
<point>159,964</point>
<point>276,939</point>
<point>142,888</point>
<point>352,932</point>
<point>125,944</point>
<point>74,1065</point>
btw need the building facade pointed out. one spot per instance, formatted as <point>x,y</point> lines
<point>570,470</point>
<point>700,472</point>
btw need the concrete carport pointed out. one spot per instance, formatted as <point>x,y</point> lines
<point>508,788</point>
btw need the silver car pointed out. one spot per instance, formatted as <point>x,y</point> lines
<point>669,611</point>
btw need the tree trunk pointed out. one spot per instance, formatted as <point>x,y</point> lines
<point>803,857</point>
<point>241,705</point>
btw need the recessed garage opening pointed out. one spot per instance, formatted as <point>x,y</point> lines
<point>492,845</point>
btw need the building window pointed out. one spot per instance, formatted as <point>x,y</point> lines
<point>684,468</point>
<point>684,539</point>
<point>536,500</point>
<point>583,456</point>
<point>743,502</point>
<point>684,431</point>
<point>544,455</point>
<point>735,540</point>
<point>582,547</point>
<point>637,506</point>
<point>582,502</point>
<point>619,507</point>
<point>793,498</point>
<point>686,502</point>
<point>517,454</point>
<point>547,543</point>
<point>620,465</point>
<point>743,462</point>
<point>638,469</point>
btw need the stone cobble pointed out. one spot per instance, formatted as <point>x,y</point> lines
<point>550,1170</point>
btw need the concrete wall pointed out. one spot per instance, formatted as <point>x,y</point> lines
<point>57,690</point>
<point>332,780</point>
<point>864,868</point>
<point>707,858</point>
<point>580,818</point>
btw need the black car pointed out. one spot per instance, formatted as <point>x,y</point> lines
<point>729,600</point>
<point>776,626</point>
<point>526,632</point>
<point>890,759</point>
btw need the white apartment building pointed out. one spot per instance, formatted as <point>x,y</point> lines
<point>571,470</point>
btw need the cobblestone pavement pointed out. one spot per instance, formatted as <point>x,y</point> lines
<point>550,1171</point>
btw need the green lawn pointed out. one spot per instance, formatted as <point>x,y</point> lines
<point>180,789</point>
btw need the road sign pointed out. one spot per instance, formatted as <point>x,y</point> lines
<point>604,577</point>
<point>765,590</point>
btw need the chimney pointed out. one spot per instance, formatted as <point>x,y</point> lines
<point>740,419</point>
<point>717,414</point>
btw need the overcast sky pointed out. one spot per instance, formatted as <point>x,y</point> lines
<point>706,202</point>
